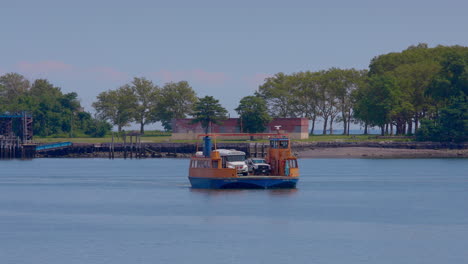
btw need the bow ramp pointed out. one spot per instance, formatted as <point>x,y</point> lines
<point>53,146</point>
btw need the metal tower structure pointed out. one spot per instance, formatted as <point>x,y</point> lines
<point>24,123</point>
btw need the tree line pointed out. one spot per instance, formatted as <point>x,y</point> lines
<point>144,102</point>
<point>325,94</point>
<point>54,113</point>
<point>420,91</point>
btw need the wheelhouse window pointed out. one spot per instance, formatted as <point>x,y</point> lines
<point>279,143</point>
<point>284,144</point>
<point>200,164</point>
<point>274,144</point>
<point>205,164</point>
<point>235,158</point>
<point>292,163</point>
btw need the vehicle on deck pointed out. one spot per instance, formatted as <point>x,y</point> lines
<point>258,166</point>
<point>234,159</point>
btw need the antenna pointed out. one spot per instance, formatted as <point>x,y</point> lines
<point>277,128</point>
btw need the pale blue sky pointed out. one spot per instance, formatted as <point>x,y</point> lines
<point>224,49</point>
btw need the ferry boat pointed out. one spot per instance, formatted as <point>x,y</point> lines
<point>217,168</point>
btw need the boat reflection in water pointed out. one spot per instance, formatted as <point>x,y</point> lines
<point>214,169</point>
<point>241,192</point>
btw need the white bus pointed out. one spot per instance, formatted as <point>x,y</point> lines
<point>231,158</point>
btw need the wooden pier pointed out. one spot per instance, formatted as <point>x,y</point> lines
<point>16,136</point>
<point>138,149</point>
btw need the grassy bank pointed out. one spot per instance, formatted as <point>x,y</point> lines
<point>157,136</point>
<point>355,138</point>
<point>149,136</point>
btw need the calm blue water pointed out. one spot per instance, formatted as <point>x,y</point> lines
<point>143,211</point>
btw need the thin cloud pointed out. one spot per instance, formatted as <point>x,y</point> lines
<point>42,67</point>
<point>197,75</point>
<point>257,79</point>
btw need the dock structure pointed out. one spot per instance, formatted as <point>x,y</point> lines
<point>16,133</point>
<point>136,150</point>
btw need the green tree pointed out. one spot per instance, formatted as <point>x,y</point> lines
<point>98,128</point>
<point>91,126</point>
<point>451,81</point>
<point>147,100</point>
<point>117,106</point>
<point>344,82</point>
<point>13,85</point>
<point>325,94</point>
<point>450,126</point>
<point>279,94</point>
<point>305,88</point>
<point>362,106</point>
<point>327,98</point>
<point>253,113</point>
<point>414,80</point>
<point>176,101</point>
<point>53,112</point>
<point>375,101</point>
<point>426,79</point>
<point>208,111</point>
<point>449,89</point>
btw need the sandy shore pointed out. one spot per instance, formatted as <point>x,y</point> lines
<point>363,152</point>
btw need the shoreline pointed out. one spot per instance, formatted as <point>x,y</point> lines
<point>380,153</point>
<point>317,153</point>
<point>300,149</point>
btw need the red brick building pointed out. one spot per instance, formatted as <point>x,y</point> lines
<point>297,128</point>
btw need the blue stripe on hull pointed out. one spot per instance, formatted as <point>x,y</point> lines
<point>240,183</point>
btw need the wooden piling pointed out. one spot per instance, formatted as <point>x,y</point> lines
<point>138,150</point>
<point>131,147</point>
<point>112,147</point>
<point>125,145</point>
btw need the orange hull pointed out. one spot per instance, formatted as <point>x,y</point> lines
<point>213,173</point>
